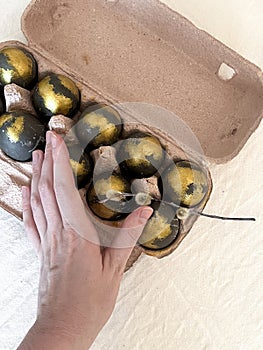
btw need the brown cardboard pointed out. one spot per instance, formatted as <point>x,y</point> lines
<point>141,51</point>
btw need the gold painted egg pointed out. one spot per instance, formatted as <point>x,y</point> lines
<point>99,125</point>
<point>81,163</point>
<point>162,228</point>
<point>185,183</point>
<point>20,134</point>
<point>140,156</point>
<point>104,200</point>
<point>17,66</point>
<point>56,94</point>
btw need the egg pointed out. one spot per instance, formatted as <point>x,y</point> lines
<point>56,94</point>
<point>161,230</point>
<point>17,66</point>
<point>20,134</point>
<point>185,183</point>
<point>81,163</point>
<point>107,188</point>
<point>99,125</point>
<point>140,155</point>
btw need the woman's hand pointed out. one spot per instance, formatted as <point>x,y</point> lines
<point>79,281</point>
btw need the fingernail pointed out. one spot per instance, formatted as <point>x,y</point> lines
<point>146,213</point>
<point>35,157</point>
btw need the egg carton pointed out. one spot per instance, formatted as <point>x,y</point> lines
<point>142,51</point>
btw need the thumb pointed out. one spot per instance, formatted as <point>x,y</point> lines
<point>132,228</point>
<point>128,236</point>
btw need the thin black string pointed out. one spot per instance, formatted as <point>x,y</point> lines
<point>223,217</point>
<point>218,217</point>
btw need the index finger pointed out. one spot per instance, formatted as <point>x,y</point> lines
<point>71,207</point>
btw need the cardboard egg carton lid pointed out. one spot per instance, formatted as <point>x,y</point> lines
<point>142,51</point>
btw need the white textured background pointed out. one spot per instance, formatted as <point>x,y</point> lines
<point>209,293</point>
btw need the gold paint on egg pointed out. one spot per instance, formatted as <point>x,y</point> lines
<point>79,169</point>
<point>20,134</point>
<point>81,164</point>
<point>186,183</point>
<point>99,209</point>
<point>55,102</point>
<point>102,186</point>
<point>18,59</point>
<point>140,155</point>
<point>147,147</point>
<point>112,209</point>
<point>96,120</point>
<point>7,75</point>
<point>160,230</point>
<point>56,94</point>
<point>21,67</point>
<point>157,226</point>
<point>15,130</point>
<point>4,118</point>
<point>69,84</point>
<point>99,125</point>
<point>107,130</point>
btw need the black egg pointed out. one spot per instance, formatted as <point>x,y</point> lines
<point>20,134</point>
<point>140,155</point>
<point>162,228</point>
<point>56,94</point>
<point>185,183</point>
<point>2,108</point>
<point>99,125</point>
<point>17,66</point>
<point>81,163</point>
<point>104,199</point>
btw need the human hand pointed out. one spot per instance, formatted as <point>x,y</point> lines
<point>79,281</point>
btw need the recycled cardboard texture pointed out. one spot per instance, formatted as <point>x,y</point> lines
<point>143,51</point>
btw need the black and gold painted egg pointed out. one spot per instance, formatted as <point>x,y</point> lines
<point>162,228</point>
<point>99,125</point>
<point>20,134</point>
<point>17,66</point>
<point>56,94</point>
<point>140,155</point>
<point>104,198</point>
<point>81,163</point>
<point>185,183</point>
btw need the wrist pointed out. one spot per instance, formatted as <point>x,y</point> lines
<point>44,337</point>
